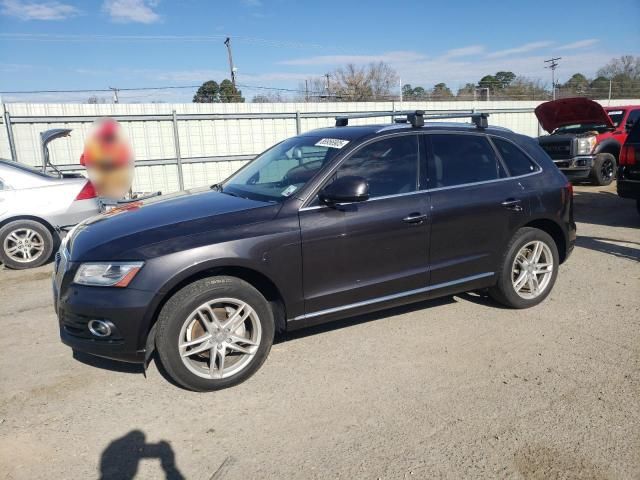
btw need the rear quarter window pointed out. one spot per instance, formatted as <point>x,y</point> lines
<point>517,162</point>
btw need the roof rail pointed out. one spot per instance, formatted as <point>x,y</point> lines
<point>417,117</point>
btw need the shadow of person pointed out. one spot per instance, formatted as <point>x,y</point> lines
<point>121,458</point>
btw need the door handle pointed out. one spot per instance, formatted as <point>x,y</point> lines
<point>512,204</point>
<point>415,218</point>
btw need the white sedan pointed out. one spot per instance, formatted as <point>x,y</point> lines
<point>35,208</point>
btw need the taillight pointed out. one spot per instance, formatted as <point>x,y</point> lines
<point>628,155</point>
<point>570,188</point>
<point>87,192</point>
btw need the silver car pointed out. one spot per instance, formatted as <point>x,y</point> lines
<point>35,208</point>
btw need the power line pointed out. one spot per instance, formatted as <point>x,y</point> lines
<point>172,38</point>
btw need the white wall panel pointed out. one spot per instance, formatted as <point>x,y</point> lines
<point>153,140</point>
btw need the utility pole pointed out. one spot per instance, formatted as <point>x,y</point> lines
<point>227,42</point>
<point>609,102</point>
<point>306,90</point>
<point>553,64</point>
<point>115,94</point>
<point>327,85</point>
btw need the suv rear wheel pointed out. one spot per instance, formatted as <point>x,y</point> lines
<point>604,169</point>
<point>528,271</point>
<point>214,333</point>
<point>25,244</point>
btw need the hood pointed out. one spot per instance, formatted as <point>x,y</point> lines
<point>571,111</point>
<point>141,230</point>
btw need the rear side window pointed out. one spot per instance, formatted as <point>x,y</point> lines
<point>517,162</point>
<point>634,115</point>
<point>460,159</point>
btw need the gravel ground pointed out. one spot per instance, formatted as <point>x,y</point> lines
<point>453,388</point>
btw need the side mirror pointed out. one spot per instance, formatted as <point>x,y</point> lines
<point>348,189</point>
<point>629,125</point>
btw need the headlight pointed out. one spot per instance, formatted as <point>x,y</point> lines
<point>586,145</point>
<point>107,274</point>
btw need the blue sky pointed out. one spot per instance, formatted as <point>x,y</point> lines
<point>71,44</point>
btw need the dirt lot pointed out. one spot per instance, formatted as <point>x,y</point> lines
<point>453,388</point>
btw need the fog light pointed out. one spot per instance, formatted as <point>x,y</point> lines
<point>99,328</point>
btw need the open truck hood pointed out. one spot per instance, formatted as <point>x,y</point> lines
<point>571,111</point>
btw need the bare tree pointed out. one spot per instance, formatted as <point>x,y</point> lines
<point>270,97</point>
<point>312,89</point>
<point>363,83</point>
<point>627,65</point>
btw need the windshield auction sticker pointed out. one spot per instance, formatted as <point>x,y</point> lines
<point>332,143</point>
<point>289,190</point>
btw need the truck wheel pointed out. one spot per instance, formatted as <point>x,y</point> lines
<point>25,244</point>
<point>214,333</point>
<point>604,169</point>
<point>528,270</point>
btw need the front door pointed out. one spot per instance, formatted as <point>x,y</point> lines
<point>363,252</point>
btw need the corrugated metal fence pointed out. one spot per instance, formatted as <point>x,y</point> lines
<point>187,145</point>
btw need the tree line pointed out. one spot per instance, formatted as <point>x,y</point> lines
<point>377,81</point>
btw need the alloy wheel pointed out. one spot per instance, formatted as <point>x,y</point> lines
<point>532,270</point>
<point>24,245</point>
<point>219,338</point>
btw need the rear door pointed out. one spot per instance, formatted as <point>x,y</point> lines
<point>364,252</point>
<point>475,207</point>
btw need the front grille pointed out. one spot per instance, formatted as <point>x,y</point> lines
<point>558,150</point>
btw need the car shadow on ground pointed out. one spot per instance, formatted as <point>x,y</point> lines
<point>605,208</point>
<point>283,337</point>
<point>107,364</point>
<point>121,458</point>
<point>478,297</point>
<point>611,246</point>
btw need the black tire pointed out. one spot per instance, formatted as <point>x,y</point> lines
<point>604,169</point>
<point>638,205</point>
<point>178,308</point>
<point>504,291</point>
<point>19,260</point>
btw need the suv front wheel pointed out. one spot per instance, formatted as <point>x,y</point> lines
<point>214,333</point>
<point>528,270</point>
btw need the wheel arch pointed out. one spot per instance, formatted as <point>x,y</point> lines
<point>258,280</point>
<point>554,231</point>
<point>610,146</point>
<point>32,218</point>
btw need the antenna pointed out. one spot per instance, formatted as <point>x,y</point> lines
<point>553,64</point>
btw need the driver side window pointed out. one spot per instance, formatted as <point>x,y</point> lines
<point>390,166</point>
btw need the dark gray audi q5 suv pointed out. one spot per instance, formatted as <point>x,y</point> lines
<point>329,224</point>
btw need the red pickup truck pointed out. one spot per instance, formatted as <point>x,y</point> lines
<point>585,138</point>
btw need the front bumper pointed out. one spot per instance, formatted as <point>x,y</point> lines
<point>124,308</point>
<point>576,168</point>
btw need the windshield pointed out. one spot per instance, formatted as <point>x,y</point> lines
<point>616,116</point>
<point>282,170</point>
